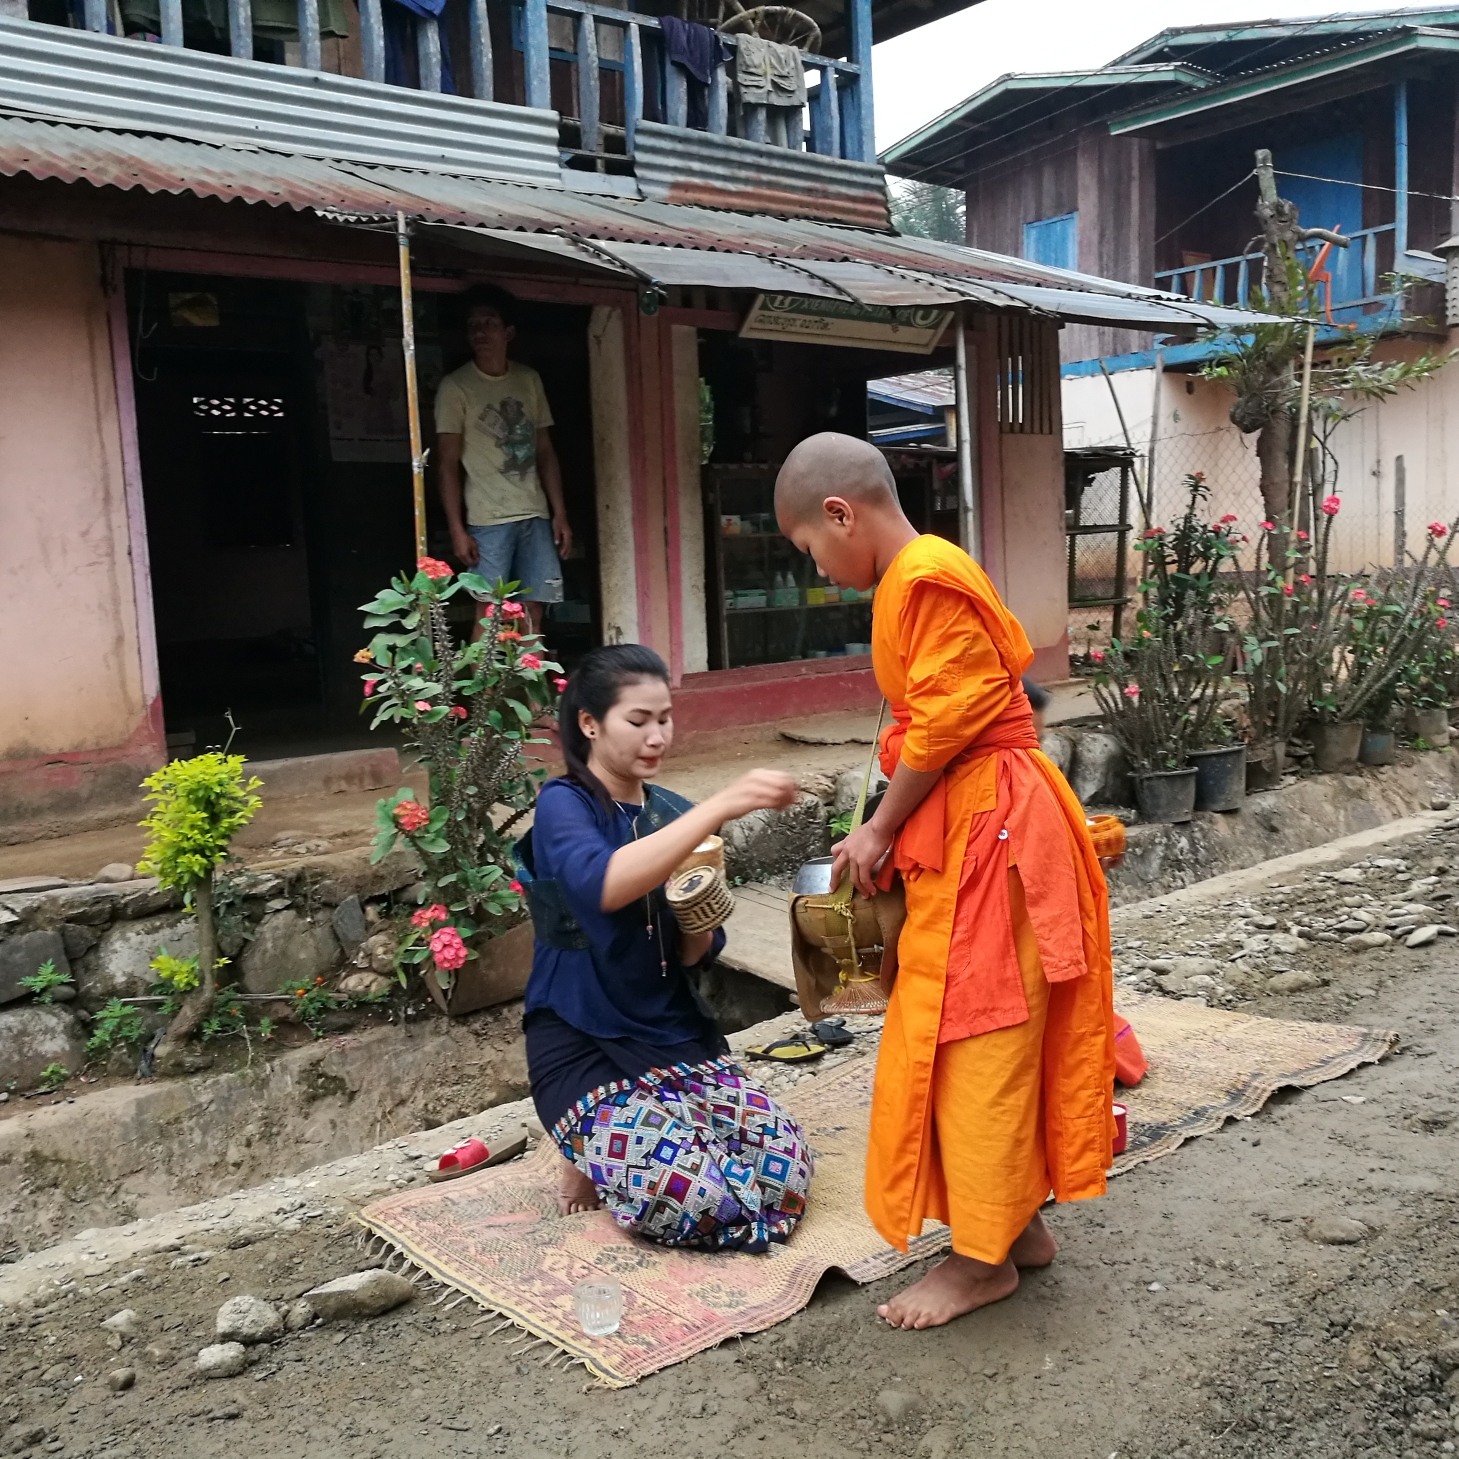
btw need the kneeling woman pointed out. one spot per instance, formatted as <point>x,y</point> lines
<point>629,1074</point>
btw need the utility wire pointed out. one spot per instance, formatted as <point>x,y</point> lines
<point>1204,206</point>
<point>1376,187</point>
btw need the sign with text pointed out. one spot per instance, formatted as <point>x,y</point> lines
<point>836,321</point>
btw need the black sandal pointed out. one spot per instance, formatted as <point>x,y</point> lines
<point>833,1032</point>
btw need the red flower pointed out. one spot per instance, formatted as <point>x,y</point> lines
<point>489,611</point>
<point>1097,654</point>
<point>448,949</point>
<point>422,706</point>
<point>1443,602</point>
<point>1301,536</point>
<point>1288,589</point>
<point>370,687</point>
<point>1304,579</point>
<point>510,634</point>
<point>1359,596</point>
<point>513,609</point>
<point>1268,526</point>
<point>411,815</point>
<point>1228,518</point>
<point>458,711</point>
<point>1154,532</point>
<point>433,567</point>
<point>1441,623</point>
<point>516,886</point>
<point>1132,691</point>
<point>530,661</point>
<point>1438,529</point>
<point>560,685</point>
<point>436,912</point>
<point>1331,506</point>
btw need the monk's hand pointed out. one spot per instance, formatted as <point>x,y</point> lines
<point>860,854</point>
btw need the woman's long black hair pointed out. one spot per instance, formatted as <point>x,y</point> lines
<point>594,687</point>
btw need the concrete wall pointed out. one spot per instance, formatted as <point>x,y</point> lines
<point>81,722</point>
<point>684,342</point>
<point>617,571</point>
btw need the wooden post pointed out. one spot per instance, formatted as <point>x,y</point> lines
<point>483,84</point>
<point>676,84</point>
<point>372,39</point>
<point>412,389</point>
<point>858,15</point>
<point>240,28</point>
<point>632,86</point>
<point>95,15</point>
<point>969,523</point>
<point>718,101</point>
<point>172,22</point>
<point>588,109</point>
<point>1400,172</point>
<point>309,50</point>
<point>1299,456</point>
<point>536,57</point>
<point>1400,511</point>
<point>428,52</point>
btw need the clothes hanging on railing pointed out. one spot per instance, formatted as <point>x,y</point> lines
<point>400,42</point>
<point>768,73</point>
<point>701,52</point>
<point>208,19</point>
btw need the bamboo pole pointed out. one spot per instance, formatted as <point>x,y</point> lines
<point>1299,462</point>
<point>967,441</point>
<point>412,390</point>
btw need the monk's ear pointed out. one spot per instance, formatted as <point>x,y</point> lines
<point>839,512</point>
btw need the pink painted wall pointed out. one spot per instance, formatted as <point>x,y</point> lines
<point>80,722</point>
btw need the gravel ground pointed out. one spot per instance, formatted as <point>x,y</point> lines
<point>1281,1288</point>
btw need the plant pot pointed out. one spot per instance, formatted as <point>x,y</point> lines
<point>1166,795</point>
<point>1220,778</point>
<point>1454,716</point>
<point>1379,747</point>
<point>1429,725</point>
<point>1335,746</point>
<point>1265,761</point>
<point>497,974</point>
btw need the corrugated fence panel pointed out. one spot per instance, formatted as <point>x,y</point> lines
<point>77,74</point>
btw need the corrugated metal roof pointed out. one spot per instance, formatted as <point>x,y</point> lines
<point>709,171</point>
<point>699,245</point>
<point>56,71</point>
<point>926,390</point>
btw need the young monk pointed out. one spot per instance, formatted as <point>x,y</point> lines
<point>995,1078</point>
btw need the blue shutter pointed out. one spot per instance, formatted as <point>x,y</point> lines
<point>1053,241</point>
<point>1336,204</point>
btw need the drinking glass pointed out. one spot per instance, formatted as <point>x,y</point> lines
<point>599,1306</point>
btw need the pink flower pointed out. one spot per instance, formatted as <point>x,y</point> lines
<point>448,949</point>
<point>513,609</point>
<point>489,611</point>
<point>530,661</point>
<point>515,886</point>
<point>1331,506</point>
<point>1438,529</point>
<point>422,706</point>
<point>1304,578</point>
<point>1132,692</point>
<point>411,815</point>
<point>1441,623</point>
<point>1228,519</point>
<point>1359,596</point>
<point>436,912</point>
<point>1268,526</point>
<point>458,711</point>
<point>370,687</point>
<point>433,567</point>
<point>1443,602</point>
<point>1288,589</point>
<point>1097,654</point>
<point>1301,536</point>
<point>560,685</point>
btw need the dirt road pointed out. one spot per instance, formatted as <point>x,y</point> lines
<point>1192,1312</point>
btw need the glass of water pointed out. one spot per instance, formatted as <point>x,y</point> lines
<point>599,1306</point>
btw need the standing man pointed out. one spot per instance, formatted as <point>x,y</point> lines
<point>493,422</point>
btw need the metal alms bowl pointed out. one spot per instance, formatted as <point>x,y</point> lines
<point>814,878</point>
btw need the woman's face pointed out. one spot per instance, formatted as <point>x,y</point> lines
<point>631,739</point>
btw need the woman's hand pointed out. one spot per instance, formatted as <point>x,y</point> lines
<point>860,853</point>
<point>694,947</point>
<point>756,790</point>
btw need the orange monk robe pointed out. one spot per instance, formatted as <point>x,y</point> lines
<point>995,1078</point>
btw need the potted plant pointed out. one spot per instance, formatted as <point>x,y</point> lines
<point>1220,766</point>
<point>470,711</point>
<point>1430,671</point>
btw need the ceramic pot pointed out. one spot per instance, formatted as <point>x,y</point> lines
<point>1220,778</point>
<point>1166,795</point>
<point>1335,746</point>
<point>1379,747</point>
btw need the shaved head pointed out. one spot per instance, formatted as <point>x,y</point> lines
<point>832,465</point>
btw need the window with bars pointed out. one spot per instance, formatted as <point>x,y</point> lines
<point>239,407</point>
<point>1027,375</point>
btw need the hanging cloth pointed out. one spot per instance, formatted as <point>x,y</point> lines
<point>701,52</point>
<point>768,73</point>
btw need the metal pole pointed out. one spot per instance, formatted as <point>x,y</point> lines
<point>412,392</point>
<point>1400,173</point>
<point>967,429</point>
<point>1147,496</point>
<point>1400,512</point>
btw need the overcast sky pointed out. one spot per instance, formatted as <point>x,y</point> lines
<point>920,75</point>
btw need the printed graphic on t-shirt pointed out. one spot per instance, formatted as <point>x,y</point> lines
<point>515,436</point>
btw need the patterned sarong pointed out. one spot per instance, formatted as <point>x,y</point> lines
<point>693,1156</point>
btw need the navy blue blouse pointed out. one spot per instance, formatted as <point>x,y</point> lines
<point>616,987</point>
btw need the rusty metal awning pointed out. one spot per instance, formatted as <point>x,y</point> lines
<point>597,234</point>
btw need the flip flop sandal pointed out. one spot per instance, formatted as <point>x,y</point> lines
<point>798,1050</point>
<point>457,1161</point>
<point>833,1032</point>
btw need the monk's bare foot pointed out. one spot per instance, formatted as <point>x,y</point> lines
<point>575,1192</point>
<point>1035,1247</point>
<point>956,1285</point>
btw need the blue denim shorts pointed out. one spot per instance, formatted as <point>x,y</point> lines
<point>521,552</point>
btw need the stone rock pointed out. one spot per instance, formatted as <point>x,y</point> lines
<point>898,1406</point>
<point>378,952</point>
<point>1293,982</point>
<point>1288,943</point>
<point>36,1035</point>
<point>1349,876</point>
<point>1100,774</point>
<point>361,1294</point>
<point>342,874</point>
<point>119,966</point>
<point>1422,936</point>
<point>78,940</point>
<point>124,1323</point>
<point>348,921</point>
<point>144,898</point>
<point>1058,745</point>
<point>248,1319</point>
<point>120,1379</point>
<point>1174,974</point>
<point>115,871</point>
<point>286,948</point>
<point>19,1437</point>
<point>768,843</point>
<point>222,1360</point>
<point>298,1317</point>
<point>55,1373</point>
<point>1446,1358</point>
<point>92,903</point>
<point>364,985</point>
<point>1329,1230</point>
<point>1363,941</point>
<point>22,955</point>
<point>848,787</point>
